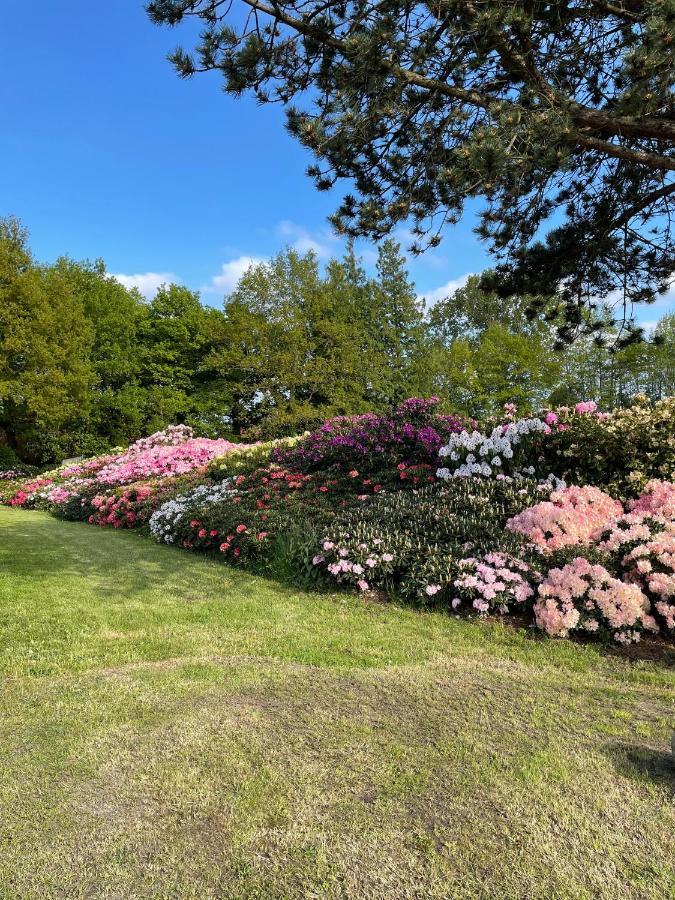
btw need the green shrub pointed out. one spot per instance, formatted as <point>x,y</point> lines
<point>401,543</point>
<point>619,451</point>
<point>246,460</point>
<point>8,459</point>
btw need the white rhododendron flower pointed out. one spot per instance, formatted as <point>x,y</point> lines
<point>467,447</point>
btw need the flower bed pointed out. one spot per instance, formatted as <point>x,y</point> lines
<point>413,506</point>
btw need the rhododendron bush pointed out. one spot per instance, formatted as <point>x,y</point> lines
<point>235,516</point>
<point>620,451</point>
<point>172,452</point>
<point>496,581</point>
<point>410,543</point>
<point>586,597</point>
<point>494,454</point>
<point>412,434</point>
<point>637,547</point>
<point>569,518</point>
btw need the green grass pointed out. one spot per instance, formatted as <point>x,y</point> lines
<point>171,728</point>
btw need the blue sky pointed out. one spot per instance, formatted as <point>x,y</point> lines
<point>105,152</point>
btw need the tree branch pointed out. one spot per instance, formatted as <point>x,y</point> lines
<point>653,197</point>
<point>642,157</point>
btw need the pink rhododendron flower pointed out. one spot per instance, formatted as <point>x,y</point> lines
<point>582,595</point>
<point>656,500</point>
<point>569,518</point>
<point>497,579</point>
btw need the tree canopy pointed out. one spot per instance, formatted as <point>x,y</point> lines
<point>86,364</point>
<point>560,115</point>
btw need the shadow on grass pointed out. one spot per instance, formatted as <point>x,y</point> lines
<point>644,764</point>
<point>125,562</point>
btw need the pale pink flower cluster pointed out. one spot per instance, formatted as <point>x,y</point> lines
<point>585,596</point>
<point>494,581</point>
<point>586,406</point>
<point>163,460</point>
<point>644,542</point>
<point>651,564</point>
<point>88,466</point>
<point>627,529</point>
<point>58,495</point>
<point>656,500</point>
<point>10,475</point>
<point>568,519</point>
<point>168,437</point>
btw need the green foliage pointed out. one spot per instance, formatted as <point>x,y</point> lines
<point>538,108</point>
<point>8,459</point>
<point>299,347</point>
<point>416,538</point>
<point>613,379</point>
<point>45,371</point>
<point>398,329</point>
<point>86,364</point>
<point>620,451</point>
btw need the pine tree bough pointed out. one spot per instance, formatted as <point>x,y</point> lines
<point>560,115</point>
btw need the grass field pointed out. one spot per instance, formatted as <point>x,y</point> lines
<point>171,728</point>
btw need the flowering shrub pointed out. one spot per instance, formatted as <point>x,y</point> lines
<point>583,596</point>
<point>621,450</point>
<point>656,500</point>
<point>86,468</point>
<point>247,458</point>
<point>241,517</point>
<point>569,518</point>
<point>486,455</point>
<point>27,493</point>
<point>496,581</point>
<point>409,543</point>
<point>642,543</point>
<point>169,437</point>
<point>165,521</point>
<point>651,564</point>
<point>412,434</point>
<point>162,458</point>
<point>11,475</point>
<point>237,517</point>
<point>126,510</point>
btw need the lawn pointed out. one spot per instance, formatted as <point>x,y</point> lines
<point>173,728</point>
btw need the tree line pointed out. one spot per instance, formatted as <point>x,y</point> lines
<point>87,364</point>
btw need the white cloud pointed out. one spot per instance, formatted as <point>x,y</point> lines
<point>230,273</point>
<point>304,242</point>
<point>146,282</point>
<point>445,290</point>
